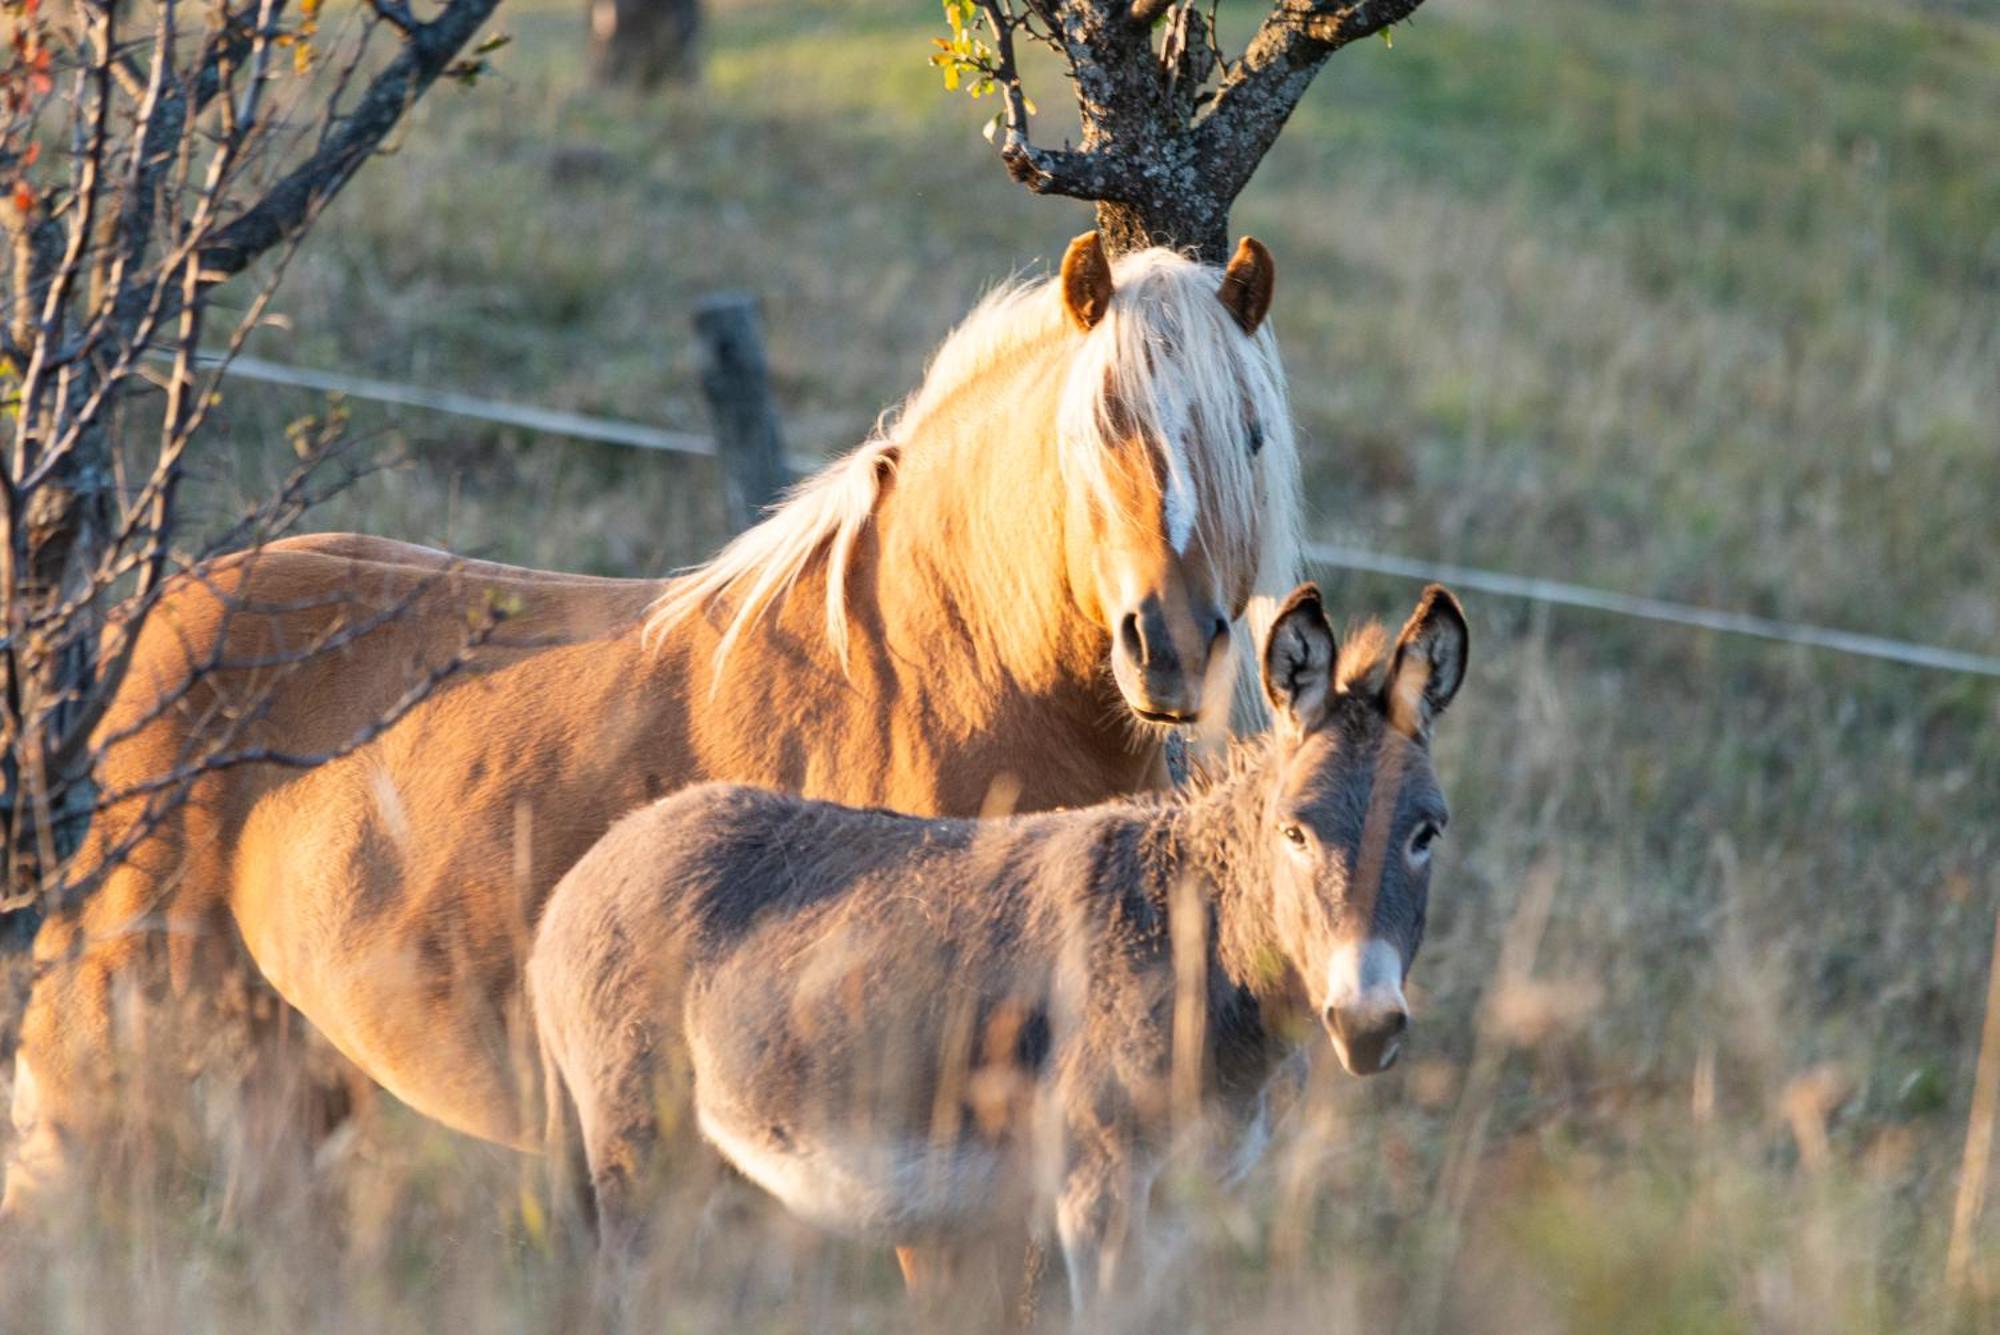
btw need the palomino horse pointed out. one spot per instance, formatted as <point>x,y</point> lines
<point>1053,536</point>
<point>910,1028</point>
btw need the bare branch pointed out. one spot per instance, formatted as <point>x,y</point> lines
<point>162,190</point>
<point>1081,175</point>
<point>1260,90</point>
<point>297,198</point>
<point>397,15</point>
<point>1097,175</point>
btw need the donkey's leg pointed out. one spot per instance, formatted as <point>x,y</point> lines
<point>1100,1220</point>
<point>618,1086</point>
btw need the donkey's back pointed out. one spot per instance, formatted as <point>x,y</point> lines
<point>856,1002</point>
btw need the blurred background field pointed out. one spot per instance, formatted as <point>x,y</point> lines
<point>1697,300</point>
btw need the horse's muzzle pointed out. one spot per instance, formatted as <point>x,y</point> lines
<point>1161,665</point>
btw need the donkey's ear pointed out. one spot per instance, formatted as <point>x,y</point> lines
<point>1429,663</point>
<point>1086,281</point>
<point>1246,284</point>
<point>1298,662</point>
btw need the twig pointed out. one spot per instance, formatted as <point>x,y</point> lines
<point>1259,91</point>
<point>1081,175</point>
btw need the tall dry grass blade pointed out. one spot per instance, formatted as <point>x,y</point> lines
<point>1973,1168</point>
<point>1466,1142</point>
<point>1188,925</point>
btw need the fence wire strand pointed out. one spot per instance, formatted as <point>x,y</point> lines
<point>1530,588</point>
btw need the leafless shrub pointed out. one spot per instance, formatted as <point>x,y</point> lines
<point>151,153</point>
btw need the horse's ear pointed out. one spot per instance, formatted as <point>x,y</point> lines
<point>1430,661</point>
<point>1086,281</point>
<point>1246,283</point>
<point>1298,662</point>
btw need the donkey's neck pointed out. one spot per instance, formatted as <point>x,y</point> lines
<point>1218,831</point>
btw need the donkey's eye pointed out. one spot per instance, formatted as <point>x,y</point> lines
<point>1421,841</point>
<point>1294,834</point>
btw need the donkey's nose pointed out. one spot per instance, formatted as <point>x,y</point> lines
<point>1368,1038</point>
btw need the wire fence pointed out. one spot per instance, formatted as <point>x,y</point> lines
<point>1529,588</point>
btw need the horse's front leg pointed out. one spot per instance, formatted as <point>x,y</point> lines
<point>1101,1223</point>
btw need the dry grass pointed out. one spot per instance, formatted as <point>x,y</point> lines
<point>1701,300</point>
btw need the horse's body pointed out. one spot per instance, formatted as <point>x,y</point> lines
<point>922,1029</point>
<point>920,630</point>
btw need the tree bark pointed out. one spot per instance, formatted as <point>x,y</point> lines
<point>1194,224</point>
<point>1172,132</point>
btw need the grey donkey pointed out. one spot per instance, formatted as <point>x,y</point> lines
<point>929,1031</point>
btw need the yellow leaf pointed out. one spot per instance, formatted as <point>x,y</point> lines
<point>533,1219</point>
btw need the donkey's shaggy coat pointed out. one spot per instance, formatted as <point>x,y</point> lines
<point>919,1029</point>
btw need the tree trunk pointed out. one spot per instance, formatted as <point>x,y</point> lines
<point>1172,130</point>
<point>51,798</point>
<point>644,42</point>
<point>1194,223</point>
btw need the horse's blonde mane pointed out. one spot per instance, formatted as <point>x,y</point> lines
<point>1166,359</point>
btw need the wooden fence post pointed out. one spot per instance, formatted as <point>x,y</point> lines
<point>736,381</point>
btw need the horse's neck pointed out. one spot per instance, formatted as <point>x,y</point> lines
<point>973,592</point>
<point>973,545</point>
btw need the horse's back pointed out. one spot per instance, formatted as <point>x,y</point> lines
<point>289,616</point>
<point>385,873</point>
<point>391,552</point>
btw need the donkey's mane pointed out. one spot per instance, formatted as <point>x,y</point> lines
<point>1212,387</point>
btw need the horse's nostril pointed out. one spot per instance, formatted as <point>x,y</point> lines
<point>1130,639</point>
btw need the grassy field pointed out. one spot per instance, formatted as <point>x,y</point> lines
<point>1699,300</point>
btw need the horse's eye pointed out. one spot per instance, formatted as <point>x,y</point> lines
<point>1295,834</point>
<point>1256,437</point>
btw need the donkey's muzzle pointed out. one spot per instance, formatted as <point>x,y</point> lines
<point>1368,1039</point>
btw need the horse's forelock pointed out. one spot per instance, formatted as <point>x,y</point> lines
<point>1169,362</point>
